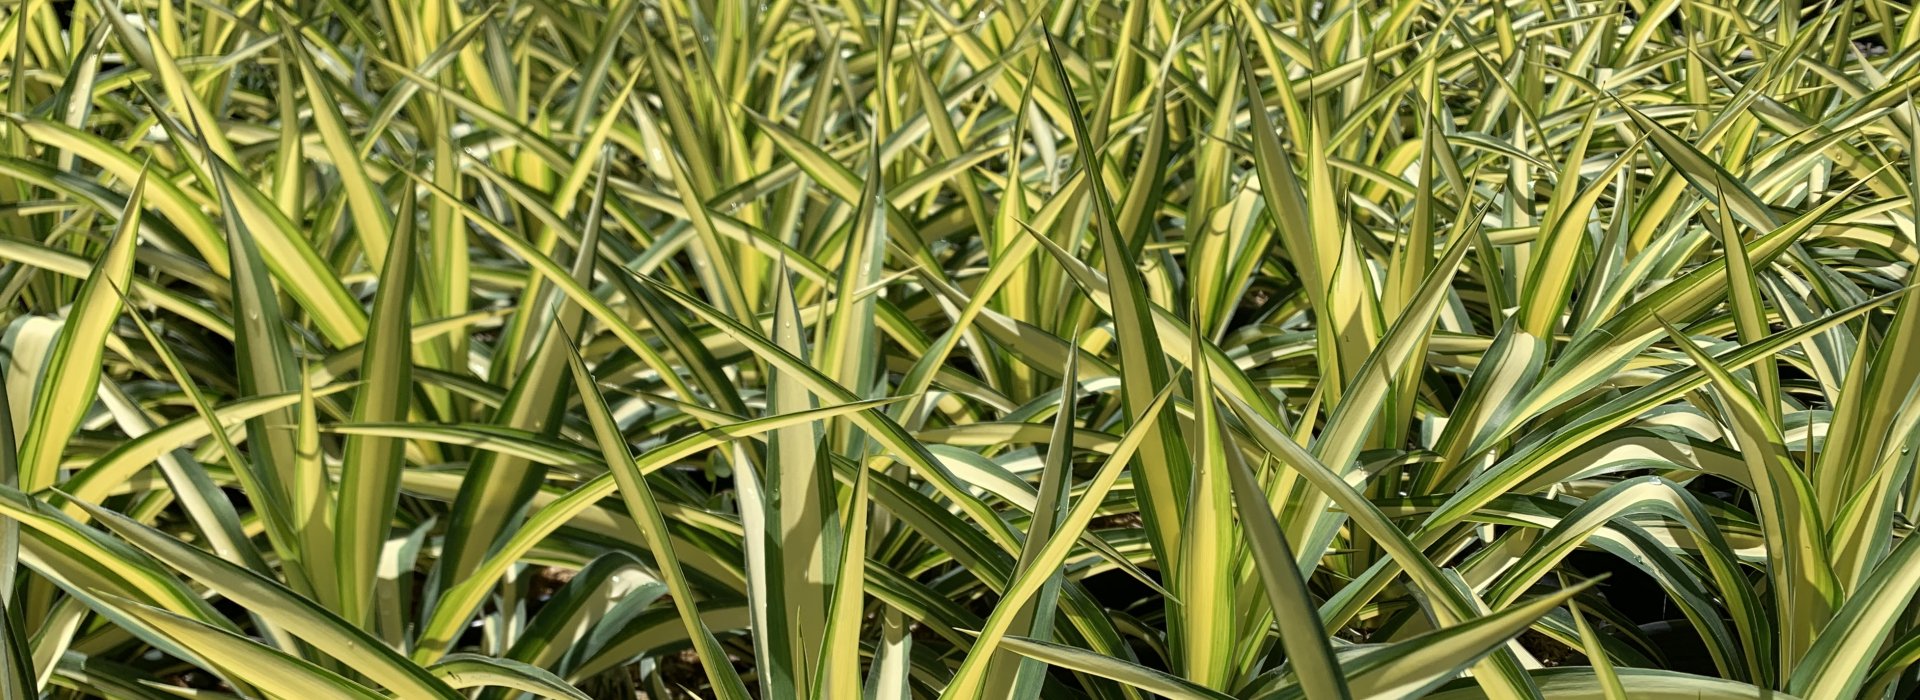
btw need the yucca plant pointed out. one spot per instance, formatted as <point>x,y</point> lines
<point>881,349</point>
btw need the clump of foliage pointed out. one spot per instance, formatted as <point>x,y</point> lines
<point>922,348</point>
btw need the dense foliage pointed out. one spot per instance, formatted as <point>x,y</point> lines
<point>959,349</point>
